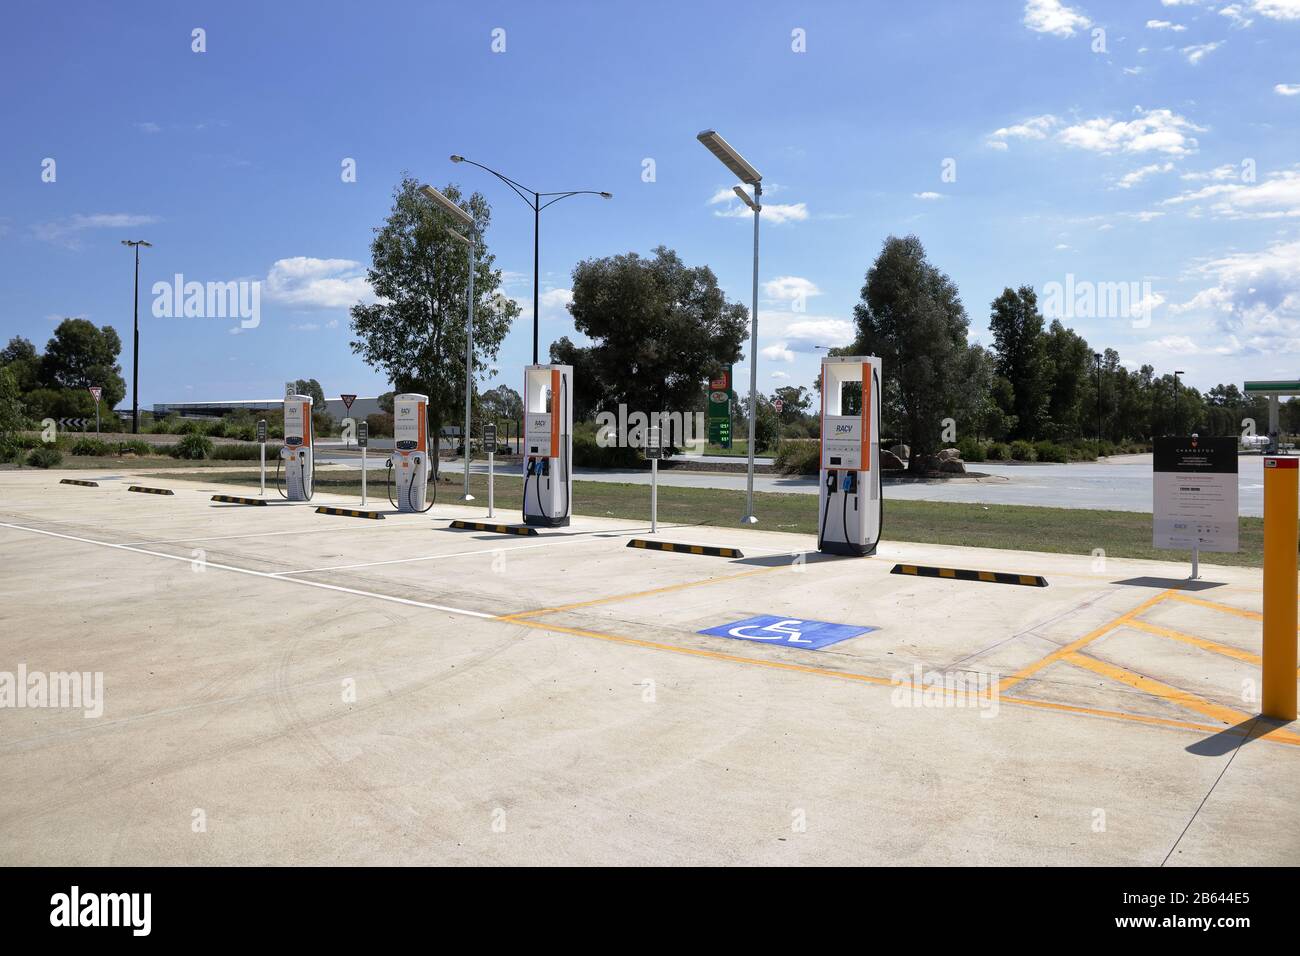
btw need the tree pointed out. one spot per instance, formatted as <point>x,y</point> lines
<point>910,315</point>
<point>1022,360</point>
<point>795,402</point>
<point>309,386</point>
<point>1069,369</point>
<point>22,360</point>
<point>416,331</point>
<point>80,355</point>
<point>11,409</point>
<point>659,331</point>
<point>503,402</point>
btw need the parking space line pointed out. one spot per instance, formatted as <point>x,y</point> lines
<point>1214,646</point>
<point>1149,685</point>
<point>266,575</point>
<point>667,589</point>
<point>485,552</point>
<point>1078,643</point>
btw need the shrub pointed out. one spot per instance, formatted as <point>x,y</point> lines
<point>798,457</point>
<point>380,424</point>
<point>137,446</point>
<point>193,446</point>
<point>997,451</point>
<point>587,452</point>
<point>45,457</point>
<point>971,449</point>
<point>1021,451</point>
<point>91,447</point>
<point>243,452</point>
<point>10,453</point>
<point>1050,451</point>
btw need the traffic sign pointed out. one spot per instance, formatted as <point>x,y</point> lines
<point>363,434</point>
<point>96,391</point>
<point>490,439</point>
<point>788,631</point>
<point>78,423</point>
<point>348,400</point>
<point>261,430</point>
<point>779,405</point>
<point>653,445</point>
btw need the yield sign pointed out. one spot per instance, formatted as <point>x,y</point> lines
<point>348,400</point>
<point>96,391</point>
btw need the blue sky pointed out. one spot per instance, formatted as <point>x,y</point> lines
<point>1163,150</point>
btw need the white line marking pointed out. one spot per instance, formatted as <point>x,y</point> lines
<point>485,552</point>
<point>258,574</point>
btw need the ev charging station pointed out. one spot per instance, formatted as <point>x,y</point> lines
<point>850,495</point>
<point>410,461</point>
<point>548,445</point>
<point>297,452</point>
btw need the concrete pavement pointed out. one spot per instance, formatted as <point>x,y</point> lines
<point>319,689</point>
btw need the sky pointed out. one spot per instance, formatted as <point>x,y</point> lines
<point>1136,162</point>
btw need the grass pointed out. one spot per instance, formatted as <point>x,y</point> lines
<point>1120,534</point>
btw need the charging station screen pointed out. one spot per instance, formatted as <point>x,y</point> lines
<point>538,438</point>
<point>293,423</point>
<point>406,426</point>
<point>842,443</point>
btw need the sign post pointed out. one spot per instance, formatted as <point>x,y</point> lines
<point>1281,474</point>
<point>363,439</point>
<point>1195,495</point>
<point>347,406</point>
<point>653,451</point>
<point>96,391</point>
<point>720,395</point>
<point>490,446</point>
<point>261,442</point>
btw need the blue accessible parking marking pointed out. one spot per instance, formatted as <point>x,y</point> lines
<point>789,631</point>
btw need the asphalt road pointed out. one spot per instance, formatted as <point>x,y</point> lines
<point>1121,483</point>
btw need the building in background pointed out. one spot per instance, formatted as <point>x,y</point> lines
<point>361,407</point>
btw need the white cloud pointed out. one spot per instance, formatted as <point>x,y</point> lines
<point>777,353</point>
<point>553,304</point>
<point>1161,131</point>
<point>68,232</point>
<point>1277,9</point>
<point>1129,180</point>
<point>1234,13</point>
<point>1054,17</point>
<point>1287,89</point>
<point>1036,127</point>
<point>797,332</point>
<point>780,375</point>
<point>790,288</point>
<point>1185,345</point>
<point>1277,197</point>
<point>309,283</point>
<point>1218,173</point>
<point>927,196</point>
<point>1165,25</point>
<point>148,127</point>
<point>1255,298</point>
<point>1199,51</point>
<point>775,213</point>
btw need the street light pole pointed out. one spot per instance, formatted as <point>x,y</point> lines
<point>1096,358</point>
<point>135,345</point>
<point>746,173</point>
<point>471,240</point>
<point>534,200</point>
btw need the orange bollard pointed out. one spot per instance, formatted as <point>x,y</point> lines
<point>1281,501</point>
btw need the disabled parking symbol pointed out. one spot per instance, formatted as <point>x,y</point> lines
<point>788,631</point>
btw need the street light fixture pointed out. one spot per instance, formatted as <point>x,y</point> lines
<point>746,173</point>
<point>135,347</point>
<point>534,200</point>
<point>467,221</point>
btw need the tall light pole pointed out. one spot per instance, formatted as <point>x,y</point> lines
<point>534,200</point>
<point>464,219</point>
<point>135,347</point>
<point>1096,359</point>
<point>746,173</point>
<point>1177,372</point>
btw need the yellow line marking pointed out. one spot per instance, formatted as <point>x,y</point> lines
<point>1225,608</point>
<point>1061,652</point>
<point>1276,736</point>
<point>667,589</point>
<point>1149,685</point>
<point>1224,649</point>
